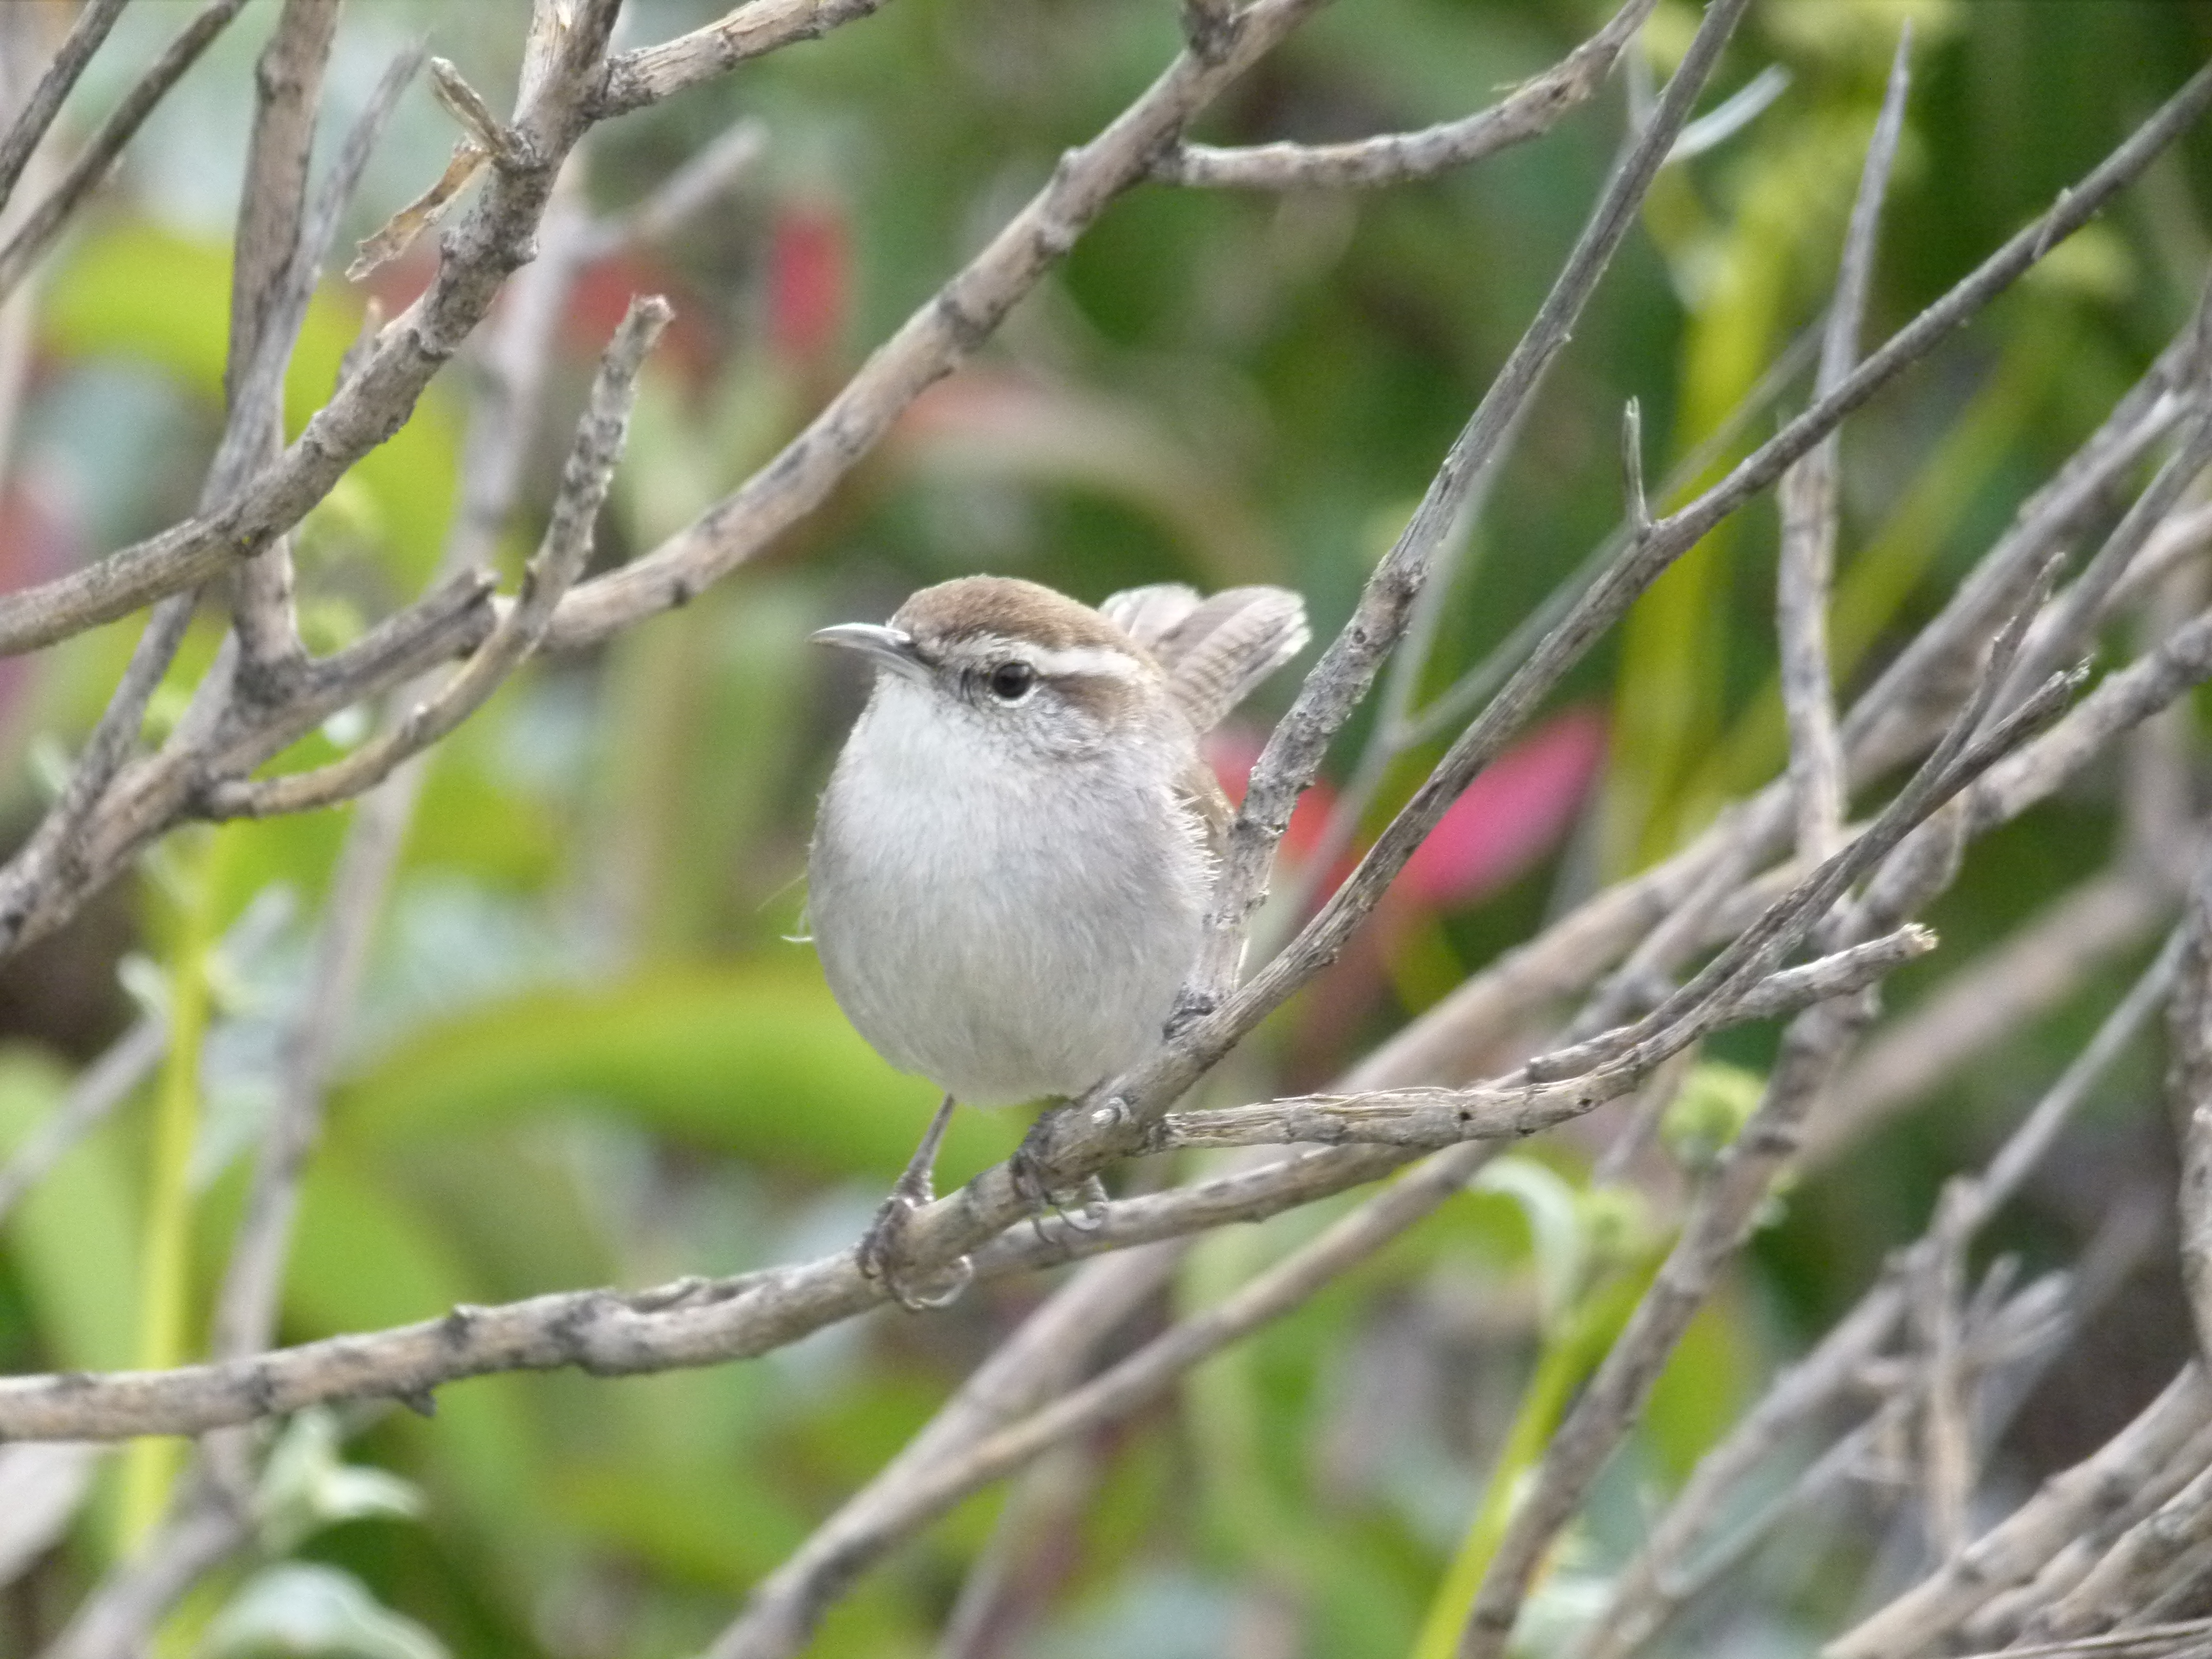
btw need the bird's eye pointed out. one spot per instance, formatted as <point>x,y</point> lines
<point>1010,682</point>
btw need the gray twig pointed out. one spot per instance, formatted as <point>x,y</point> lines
<point>86,35</point>
<point>1528,112</point>
<point>103,1085</point>
<point>1808,494</point>
<point>560,558</point>
<point>44,221</point>
<point>2189,1086</point>
<point>280,254</point>
<point>2013,1551</point>
<point>635,79</point>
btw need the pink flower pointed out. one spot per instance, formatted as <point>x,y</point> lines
<point>1511,815</point>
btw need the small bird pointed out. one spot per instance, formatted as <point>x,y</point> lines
<point>1012,863</point>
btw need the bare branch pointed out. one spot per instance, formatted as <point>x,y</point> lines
<point>1986,1001</point>
<point>931,343</point>
<point>2069,630</point>
<point>1913,869</point>
<point>1040,1360</point>
<point>1293,754</point>
<point>271,203</point>
<point>205,1527</point>
<point>686,1324</point>
<point>467,106</point>
<point>246,1311</point>
<point>2119,702</point>
<point>53,859</point>
<point>1647,1590</point>
<point>696,186</point>
<point>1528,111</point>
<point>283,275</point>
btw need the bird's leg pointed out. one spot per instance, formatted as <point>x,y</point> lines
<point>883,1247</point>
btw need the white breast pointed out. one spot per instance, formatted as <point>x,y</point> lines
<point>1011,929</point>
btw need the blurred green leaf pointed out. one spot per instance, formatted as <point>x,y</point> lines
<point>755,1060</point>
<point>1560,1244</point>
<point>297,1611</point>
<point>74,1237</point>
<point>306,1484</point>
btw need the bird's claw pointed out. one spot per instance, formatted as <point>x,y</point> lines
<point>882,1257</point>
<point>1045,1202</point>
<point>1190,1007</point>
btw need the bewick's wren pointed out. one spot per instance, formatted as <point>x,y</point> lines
<point>1012,862</point>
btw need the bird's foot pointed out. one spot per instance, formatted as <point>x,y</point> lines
<point>882,1255</point>
<point>1082,1207</point>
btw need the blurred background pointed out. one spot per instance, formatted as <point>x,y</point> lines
<point>589,1049</point>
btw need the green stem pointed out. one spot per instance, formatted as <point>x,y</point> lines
<point>150,1465</point>
<point>1570,1355</point>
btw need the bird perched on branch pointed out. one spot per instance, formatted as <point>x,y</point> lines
<point>1014,861</point>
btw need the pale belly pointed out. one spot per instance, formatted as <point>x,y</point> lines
<point>1009,949</point>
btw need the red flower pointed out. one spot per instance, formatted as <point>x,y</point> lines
<point>809,273</point>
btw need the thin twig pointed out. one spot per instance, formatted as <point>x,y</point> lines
<point>87,33</point>
<point>561,557</point>
<point>1808,494</point>
<point>2189,1090</point>
<point>1983,1003</point>
<point>85,174</point>
<point>603,1332</point>
<point>635,79</point>
<point>97,1092</point>
<point>2011,1552</point>
<point>272,202</point>
<point>1720,1217</point>
<point>1641,1597</point>
<point>492,239</point>
<point>698,185</point>
<point>1429,1118</point>
<point>54,856</point>
<point>1040,1360</point>
<point>1205,1039</point>
<point>1391,158</point>
<point>271,655</point>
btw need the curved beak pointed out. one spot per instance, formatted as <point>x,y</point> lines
<point>890,647</point>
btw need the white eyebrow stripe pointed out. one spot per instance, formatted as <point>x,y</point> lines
<point>1085,659</point>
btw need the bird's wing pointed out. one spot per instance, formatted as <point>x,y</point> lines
<point>1199,792</point>
<point>1224,645</point>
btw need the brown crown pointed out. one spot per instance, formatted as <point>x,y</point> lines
<point>969,605</point>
